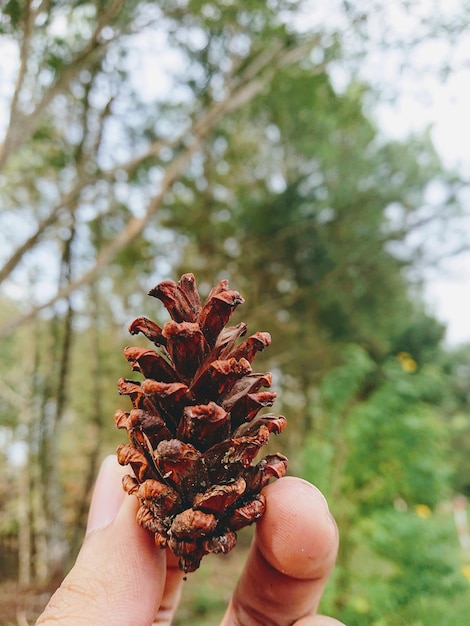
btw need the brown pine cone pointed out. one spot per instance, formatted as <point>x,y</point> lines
<point>194,429</point>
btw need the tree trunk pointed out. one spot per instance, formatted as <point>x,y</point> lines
<point>96,418</point>
<point>24,528</point>
<point>52,548</point>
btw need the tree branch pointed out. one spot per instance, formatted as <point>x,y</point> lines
<point>69,199</point>
<point>22,127</point>
<point>238,95</point>
<point>14,111</point>
<point>29,243</point>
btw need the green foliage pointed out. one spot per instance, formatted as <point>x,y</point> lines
<point>11,15</point>
<point>399,444</point>
<point>456,364</point>
<point>381,448</point>
<point>345,383</point>
<point>421,339</point>
<point>414,578</point>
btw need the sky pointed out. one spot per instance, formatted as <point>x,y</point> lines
<point>428,98</point>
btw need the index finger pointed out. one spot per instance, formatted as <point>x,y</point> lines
<point>291,557</point>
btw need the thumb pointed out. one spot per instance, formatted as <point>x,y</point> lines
<point>119,575</point>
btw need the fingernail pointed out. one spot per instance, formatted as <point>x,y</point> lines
<point>107,496</point>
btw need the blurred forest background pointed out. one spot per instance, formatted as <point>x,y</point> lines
<point>234,139</point>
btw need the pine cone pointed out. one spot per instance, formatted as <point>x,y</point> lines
<point>194,429</point>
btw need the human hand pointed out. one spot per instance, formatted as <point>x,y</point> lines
<point>121,579</point>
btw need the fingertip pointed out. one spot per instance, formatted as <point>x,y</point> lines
<point>297,534</point>
<point>118,566</point>
<point>108,494</point>
<point>318,620</point>
<point>293,553</point>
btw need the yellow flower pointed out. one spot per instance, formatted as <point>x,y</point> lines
<point>423,511</point>
<point>466,571</point>
<point>360,604</point>
<point>407,362</point>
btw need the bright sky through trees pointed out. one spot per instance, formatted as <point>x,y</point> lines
<point>441,104</point>
<point>427,91</point>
